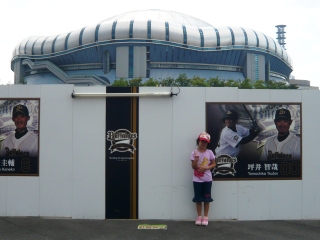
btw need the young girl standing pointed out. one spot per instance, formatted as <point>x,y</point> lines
<point>202,161</point>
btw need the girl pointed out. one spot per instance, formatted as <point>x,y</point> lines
<point>202,161</point>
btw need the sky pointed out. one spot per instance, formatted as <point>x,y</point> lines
<point>20,19</point>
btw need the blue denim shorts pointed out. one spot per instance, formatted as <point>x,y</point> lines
<point>202,192</point>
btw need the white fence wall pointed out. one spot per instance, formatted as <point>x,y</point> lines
<point>72,158</point>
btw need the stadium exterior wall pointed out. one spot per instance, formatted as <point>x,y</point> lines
<point>133,47</point>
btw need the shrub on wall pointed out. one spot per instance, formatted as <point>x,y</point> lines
<point>196,81</point>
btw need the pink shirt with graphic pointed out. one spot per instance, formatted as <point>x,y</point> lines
<point>205,159</point>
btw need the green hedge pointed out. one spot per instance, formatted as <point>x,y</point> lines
<point>184,81</point>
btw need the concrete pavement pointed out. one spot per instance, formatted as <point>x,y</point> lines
<point>37,228</point>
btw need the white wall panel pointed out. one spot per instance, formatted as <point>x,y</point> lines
<point>285,96</point>
<point>89,120</point>
<point>253,200</point>
<point>285,202</point>
<point>225,200</point>
<point>55,155</point>
<point>3,198</point>
<point>155,160</point>
<point>310,156</point>
<point>183,143</point>
<point>221,94</point>
<point>24,91</point>
<point>23,196</point>
<point>250,95</point>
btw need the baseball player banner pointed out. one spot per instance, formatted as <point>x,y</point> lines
<point>255,141</point>
<point>19,137</point>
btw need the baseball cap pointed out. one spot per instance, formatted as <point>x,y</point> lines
<point>282,114</point>
<point>230,114</point>
<point>20,109</point>
<point>204,137</point>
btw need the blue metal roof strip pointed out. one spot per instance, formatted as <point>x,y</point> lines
<point>218,37</point>
<point>131,29</point>
<point>114,24</point>
<point>167,31</point>
<point>32,51</point>
<point>232,35</point>
<point>256,38</point>
<point>66,41</point>
<point>201,37</point>
<point>149,29</point>
<point>43,45</point>
<point>267,41</point>
<point>245,37</point>
<point>96,33</point>
<point>80,36</point>
<point>184,34</point>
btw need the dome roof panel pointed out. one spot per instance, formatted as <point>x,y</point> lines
<point>29,45</point>
<point>47,46</point>
<point>122,29</point>
<point>73,39</point>
<point>158,30</point>
<point>251,36</point>
<point>37,45</point>
<point>60,42</point>
<point>161,15</point>
<point>193,36</point>
<point>210,37</point>
<point>88,35</point>
<point>105,31</point>
<point>140,29</point>
<point>262,40</point>
<point>175,33</point>
<point>239,36</point>
<point>225,36</point>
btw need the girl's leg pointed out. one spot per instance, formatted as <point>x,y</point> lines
<point>206,208</point>
<point>199,208</point>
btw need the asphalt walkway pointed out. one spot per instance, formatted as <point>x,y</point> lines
<point>37,228</point>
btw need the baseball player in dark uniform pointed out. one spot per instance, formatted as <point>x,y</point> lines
<point>22,142</point>
<point>233,135</point>
<point>285,145</point>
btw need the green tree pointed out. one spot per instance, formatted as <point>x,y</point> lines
<point>246,84</point>
<point>215,82</point>
<point>167,82</point>
<point>259,84</point>
<point>231,83</point>
<point>198,82</point>
<point>135,82</point>
<point>150,82</point>
<point>120,83</point>
<point>183,80</point>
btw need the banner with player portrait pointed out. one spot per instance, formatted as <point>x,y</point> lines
<point>255,141</point>
<point>19,137</point>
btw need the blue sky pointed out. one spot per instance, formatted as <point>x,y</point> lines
<point>20,19</point>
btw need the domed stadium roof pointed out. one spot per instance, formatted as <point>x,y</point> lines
<point>161,15</point>
<point>157,26</point>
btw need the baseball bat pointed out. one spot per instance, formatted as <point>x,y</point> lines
<point>253,121</point>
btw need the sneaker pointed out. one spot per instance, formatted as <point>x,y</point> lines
<point>204,221</point>
<point>198,221</point>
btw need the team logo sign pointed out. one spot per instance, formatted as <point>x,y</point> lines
<point>225,165</point>
<point>122,140</point>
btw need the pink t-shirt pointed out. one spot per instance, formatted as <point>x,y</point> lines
<point>205,159</point>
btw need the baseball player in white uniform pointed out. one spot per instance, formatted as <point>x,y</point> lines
<point>285,145</point>
<point>22,143</point>
<point>233,135</point>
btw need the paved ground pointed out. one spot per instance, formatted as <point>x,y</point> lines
<point>36,228</point>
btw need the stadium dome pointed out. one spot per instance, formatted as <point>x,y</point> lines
<point>150,43</point>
